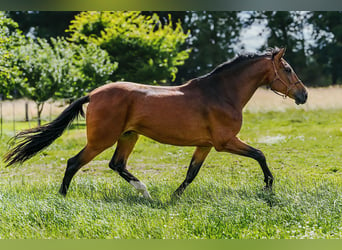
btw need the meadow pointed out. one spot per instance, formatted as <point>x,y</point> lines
<point>302,145</point>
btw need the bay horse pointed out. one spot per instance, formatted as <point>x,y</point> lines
<point>205,112</point>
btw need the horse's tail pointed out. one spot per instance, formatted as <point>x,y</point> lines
<point>36,139</point>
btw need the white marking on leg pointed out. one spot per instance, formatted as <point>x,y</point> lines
<point>141,187</point>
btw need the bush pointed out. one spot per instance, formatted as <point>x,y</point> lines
<point>10,37</point>
<point>146,51</point>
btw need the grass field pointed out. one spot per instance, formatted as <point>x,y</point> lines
<point>226,201</point>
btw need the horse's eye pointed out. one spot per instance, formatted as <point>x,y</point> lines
<point>287,70</point>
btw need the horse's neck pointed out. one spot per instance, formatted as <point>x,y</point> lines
<point>234,86</point>
<point>241,85</point>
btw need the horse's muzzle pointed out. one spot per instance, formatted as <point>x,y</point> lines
<point>301,97</point>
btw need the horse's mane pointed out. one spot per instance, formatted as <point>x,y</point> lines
<point>242,58</point>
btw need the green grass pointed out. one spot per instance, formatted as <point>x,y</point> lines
<point>225,201</point>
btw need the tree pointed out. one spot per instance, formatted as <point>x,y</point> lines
<point>10,38</point>
<point>89,67</point>
<point>43,24</point>
<point>328,47</point>
<point>286,30</point>
<point>40,68</point>
<point>57,68</point>
<point>213,37</point>
<point>212,40</point>
<point>145,50</point>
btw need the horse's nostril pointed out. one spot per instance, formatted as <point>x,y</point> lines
<point>301,97</point>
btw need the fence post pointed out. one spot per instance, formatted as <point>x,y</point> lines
<point>13,101</point>
<point>13,114</point>
<point>26,112</point>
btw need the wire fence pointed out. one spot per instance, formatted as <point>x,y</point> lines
<point>26,111</point>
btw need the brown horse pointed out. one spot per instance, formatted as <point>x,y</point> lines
<point>205,112</point>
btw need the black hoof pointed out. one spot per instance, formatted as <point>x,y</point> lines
<point>62,191</point>
<point>269,183</point>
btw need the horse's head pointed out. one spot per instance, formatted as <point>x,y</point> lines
<point>285,80</point>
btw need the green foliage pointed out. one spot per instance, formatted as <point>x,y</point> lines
<point>316,58</point>
<point>60,69</point>
<point>41,70</point>
<point>40,67</point>
<point>145,50</point>
<point>87,67</point>
<point>151,47</point>
<point>213,35</point>
<point>10,37</point>
<point>213,38</point>
<point>43,24</point>
<point>328,47</point>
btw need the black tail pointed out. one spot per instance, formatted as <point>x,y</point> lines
<point>34,140</point>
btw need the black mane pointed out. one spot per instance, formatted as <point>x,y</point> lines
<point>241,59</point>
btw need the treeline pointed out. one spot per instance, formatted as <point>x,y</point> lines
<point>47,55</point>
<point>99,47</point>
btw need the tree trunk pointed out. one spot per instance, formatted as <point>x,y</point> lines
<point>40,106</point>
<point>334,78</point>
<point>26,112</point>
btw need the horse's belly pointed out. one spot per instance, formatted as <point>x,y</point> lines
<point>175,133</point>
<point>170,117</point>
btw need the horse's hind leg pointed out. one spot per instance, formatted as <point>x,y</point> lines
<point>196,162</point>
<point>75,163</point>
<point>118,162</point>
<point>236,146</point>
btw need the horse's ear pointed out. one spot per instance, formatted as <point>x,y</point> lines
<point>280,54</point>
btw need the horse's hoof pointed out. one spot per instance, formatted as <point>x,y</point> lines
<point>267,189</point>
<point>175,196</point>
<point>62,192</point>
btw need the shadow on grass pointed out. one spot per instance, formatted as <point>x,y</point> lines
<point>256,193</point>
<point>161,197</point>
<point>165,199</point>
<point>269,197</point>
<point>138,200</point>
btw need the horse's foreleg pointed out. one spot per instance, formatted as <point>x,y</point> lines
<point>236,146</point>
<point>196,162</point>
<point>118,162</point>
<point>74,164</point>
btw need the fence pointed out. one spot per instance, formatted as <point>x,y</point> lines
<point>25,110</point>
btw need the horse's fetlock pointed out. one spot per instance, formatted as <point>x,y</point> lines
<point>259,155</point>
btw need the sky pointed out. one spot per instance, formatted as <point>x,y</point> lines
<point>253,37</point>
